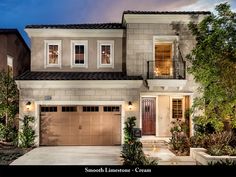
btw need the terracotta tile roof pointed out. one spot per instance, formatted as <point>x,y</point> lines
<point>76,76</point>
<point>80,26</point>
<point>166,12</point>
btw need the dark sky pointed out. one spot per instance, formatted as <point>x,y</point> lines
<point>19,13</point>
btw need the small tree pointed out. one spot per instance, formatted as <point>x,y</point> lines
<point>214,67</point>
<point>27,134</point>
<point>132,152</point>
<point>9,100</point>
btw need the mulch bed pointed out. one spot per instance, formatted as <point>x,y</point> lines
<point>8,153</point>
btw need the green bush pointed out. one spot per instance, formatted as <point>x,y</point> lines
<point>27,135</point>
<point>132,152</point>
<point>228,162</point>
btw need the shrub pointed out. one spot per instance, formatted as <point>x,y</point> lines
<point>132,152</point>
<point>179,140</point>
<point>27,135</point>
<point>228,162</point>
<point>2,132</point>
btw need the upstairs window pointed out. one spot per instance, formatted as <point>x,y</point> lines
<point>163,59</point>
<point>79,54</point>
<point>10,66</point>
<point>52,53</point>
<point>105,54</point>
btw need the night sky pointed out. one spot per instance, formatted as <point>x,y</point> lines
<point>19,13</point>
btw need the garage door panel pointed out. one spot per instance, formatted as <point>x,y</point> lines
<point>80,125</point>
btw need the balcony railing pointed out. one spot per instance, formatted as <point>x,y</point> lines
<point>162,69</point>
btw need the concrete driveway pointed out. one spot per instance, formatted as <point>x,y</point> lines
<point>71,155</point>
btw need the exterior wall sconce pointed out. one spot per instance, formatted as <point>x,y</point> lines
<point>28,104</point>
<point>130,105</point>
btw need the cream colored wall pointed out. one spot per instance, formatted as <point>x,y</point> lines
<point>163,124</point>
<point>37,54</point>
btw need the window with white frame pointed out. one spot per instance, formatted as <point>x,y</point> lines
<point>177,108</point>
<point>79,53</point>
<point>52,50</point>
<point>10,65</point>
<point>105,54</point>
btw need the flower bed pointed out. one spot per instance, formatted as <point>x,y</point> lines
<point>202,158</point>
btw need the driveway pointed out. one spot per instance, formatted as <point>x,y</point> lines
<point>71,155</point>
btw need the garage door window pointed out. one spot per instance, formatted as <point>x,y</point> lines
<point>69,109</point>
<point>111,109</point>
<point>48,109</point>
<point>90,109</point>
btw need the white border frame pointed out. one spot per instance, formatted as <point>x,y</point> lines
<point>99,45</point>
<point>99,103</point>
<point>183,107</point>
<point>168,40</point>
<point>46,44</point>
<point>85,44</point>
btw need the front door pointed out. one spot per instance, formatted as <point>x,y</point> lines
<point>149,116</point>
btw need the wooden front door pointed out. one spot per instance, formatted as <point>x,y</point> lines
<point>149,116</point>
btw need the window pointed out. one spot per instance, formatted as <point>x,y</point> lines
<point>10,65</point>
<point>90,109</point>
<point>105,54</point>
<point>163,59</point>
<point>111,109</point>
<point>52,53</point>
<point>48,109</point>
<point>69,108</point>
<point>79,54</point>
<point>177,108</point>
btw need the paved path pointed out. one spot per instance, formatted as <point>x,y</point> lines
<point>71,155</point>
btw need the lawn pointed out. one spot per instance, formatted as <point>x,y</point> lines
<point>8,153</point>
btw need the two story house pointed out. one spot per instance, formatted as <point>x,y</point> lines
<point>86,79</point>
<point>14,52</point>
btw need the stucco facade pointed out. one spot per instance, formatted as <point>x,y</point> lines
<point>134,46</point>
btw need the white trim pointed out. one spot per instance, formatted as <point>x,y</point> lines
<point>38,103</point>
<point>162,18</point>
<point>165,83</point>
<point>54,84</point>
<point>183,106</point>
<point>75,32</point>
<point>85,44</point>
<point>99,56</point>
<point>46,44</point>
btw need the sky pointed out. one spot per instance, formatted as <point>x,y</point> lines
<point>19,13</point>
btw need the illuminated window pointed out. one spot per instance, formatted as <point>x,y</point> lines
<point>105,54</point>
<point>53,53</point>
<point>163,59</point>
<point>79,53</point>
<point>177,108</point>
<point>10,65</point>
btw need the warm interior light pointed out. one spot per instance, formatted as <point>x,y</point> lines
<point>130,105</point>
<point>28,105</point>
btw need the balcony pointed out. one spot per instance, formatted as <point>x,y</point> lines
<point>166,73</point>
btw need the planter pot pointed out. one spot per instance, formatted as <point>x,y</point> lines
<point>202,158</point>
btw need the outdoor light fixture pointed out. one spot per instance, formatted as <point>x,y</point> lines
<point>130,105</point>
<point>28,105</point>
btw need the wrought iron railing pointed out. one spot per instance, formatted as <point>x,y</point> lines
<point>167,69</point>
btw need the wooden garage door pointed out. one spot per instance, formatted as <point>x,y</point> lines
<point>80,125</point>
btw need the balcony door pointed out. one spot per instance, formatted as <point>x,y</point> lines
<point>163,60</point>
<point>149,116</point>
